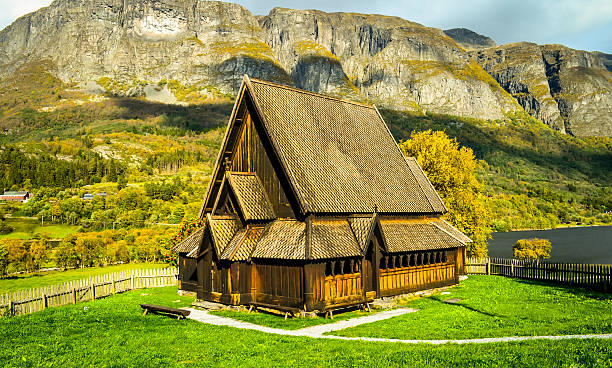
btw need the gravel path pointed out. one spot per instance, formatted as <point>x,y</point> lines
<point>318,331</point>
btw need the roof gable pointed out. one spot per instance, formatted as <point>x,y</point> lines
<point>339,155</point>
<point>251,196</point>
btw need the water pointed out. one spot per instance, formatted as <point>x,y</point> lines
<point>578,244</point>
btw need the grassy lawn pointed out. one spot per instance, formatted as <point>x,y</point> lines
<point>38,279</point>
<point>112,332</point>
<point>278,320</point>
<point>495,306</point>
<point>27,228</point>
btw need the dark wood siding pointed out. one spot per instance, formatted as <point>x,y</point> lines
<point>188,273</point>
<point>249,155</point>
<point>278,284</point>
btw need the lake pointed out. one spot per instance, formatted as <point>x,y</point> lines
<point>591,244</point>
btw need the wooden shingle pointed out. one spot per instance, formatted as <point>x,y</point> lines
<point>251,196</point>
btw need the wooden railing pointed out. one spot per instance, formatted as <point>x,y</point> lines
<point>343,288</point>
<point>593,276</point>
<point>408,279</point>
<point>34,300</point>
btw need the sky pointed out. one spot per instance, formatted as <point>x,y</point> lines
<point>579,24</point>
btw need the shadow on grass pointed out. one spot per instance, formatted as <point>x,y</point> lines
<point>439,300</point>
<point>576,290</point>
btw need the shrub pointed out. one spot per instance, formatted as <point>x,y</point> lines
<point>534,248</point>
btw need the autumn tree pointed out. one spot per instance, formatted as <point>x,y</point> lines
<point>66,254</point>
<point>533,248</point>
<point>186,228</point>
<point>4,260</point>
<point>451,170</point>
<point>39,254</point>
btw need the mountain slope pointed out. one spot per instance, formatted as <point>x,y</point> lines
<point>126,45</point>
<point>570,90</point>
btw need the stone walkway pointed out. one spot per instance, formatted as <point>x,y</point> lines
<point>319,330</point>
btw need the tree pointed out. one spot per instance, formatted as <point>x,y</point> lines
<point>533,248</point>
<point>451,170</point>
<point>38,254</point>
<point>4,260</point>
<point>90,250</point>
<point>66,254</point>
<point>17,253</point>
<point>121,182</point>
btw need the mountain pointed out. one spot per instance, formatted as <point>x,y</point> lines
<point>469,39</point>
<point>165,50</point>
<point>570,90</point>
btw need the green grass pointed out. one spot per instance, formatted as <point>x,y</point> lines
<point>112,332</point>
<point>28,228</point>
<point>39,279</point>
<point>494,306</point>
<point>278,320</point>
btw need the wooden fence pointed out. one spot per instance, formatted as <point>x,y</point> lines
<point>34,300</point>
<point>594,276</point>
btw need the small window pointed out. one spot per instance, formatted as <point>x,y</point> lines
<point>413,260</point>
<point>338,268</point>
<point>383,263</point>
<point>347,266</point>
<point>405,261</point>
<point>328,269</point>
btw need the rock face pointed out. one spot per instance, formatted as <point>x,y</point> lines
<point>123,43</point>
<point>568,89</point>
<point>470,40</point>
<point>125,46</point>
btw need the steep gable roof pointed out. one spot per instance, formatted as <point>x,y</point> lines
<point>338,156</point>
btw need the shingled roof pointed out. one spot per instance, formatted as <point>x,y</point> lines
<point>252,197</point>
<point>338,155</point>
<point>191,242</point>
<point>413,235</point>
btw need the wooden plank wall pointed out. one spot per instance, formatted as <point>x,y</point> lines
<point>402,280</point>
<point>279,284</point>
<point>188,273</point>
<point>250,156</point>
<point>342,289</point>
<point>34,300</point>
<point>593,276</point>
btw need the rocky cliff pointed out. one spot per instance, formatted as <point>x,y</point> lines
<point>126,46</point>
<point>469,39</point>
<point>568,89</point>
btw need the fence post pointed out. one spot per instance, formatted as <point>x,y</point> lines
<point>74,296</point>
<point>92,294</point>
<point>11,308</point>
<point>488,266</point>
<point>512,267</point>
<point>45,301</point>
<point>114,289</point>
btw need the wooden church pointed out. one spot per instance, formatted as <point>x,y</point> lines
<point>312,206</point>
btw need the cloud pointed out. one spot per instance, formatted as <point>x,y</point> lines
<point>582,24</point>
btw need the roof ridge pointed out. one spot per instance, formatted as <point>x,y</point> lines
<point>305,92</point>
<point>246,232</point>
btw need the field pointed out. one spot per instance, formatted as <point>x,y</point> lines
<point>495,306</point>
<point>28,228</point>
<point>113,332</point>
<point>40,279</point>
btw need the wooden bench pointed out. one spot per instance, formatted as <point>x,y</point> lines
<point>179,313</point>
<point>365,305</point>
<point>286,310</point>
